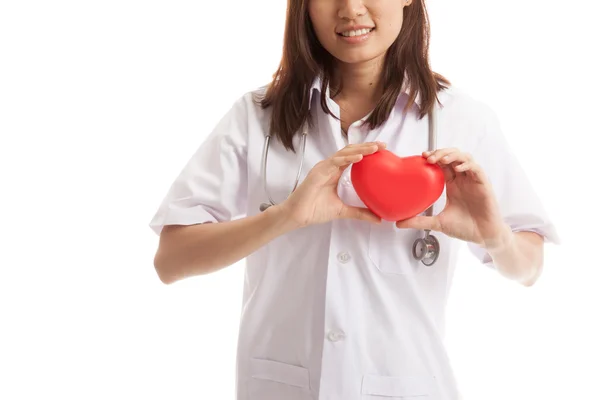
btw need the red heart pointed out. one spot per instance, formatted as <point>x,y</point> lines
<point>397,188</point>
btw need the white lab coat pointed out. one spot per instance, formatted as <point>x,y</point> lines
<point>341,311</point>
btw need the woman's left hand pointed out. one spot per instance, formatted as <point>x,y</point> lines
<point>471,212</point>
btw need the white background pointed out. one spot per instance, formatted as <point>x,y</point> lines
<point>101,105</point>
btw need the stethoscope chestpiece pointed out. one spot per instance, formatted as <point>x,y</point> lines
<point>426,250</point>
<point>264,206</point>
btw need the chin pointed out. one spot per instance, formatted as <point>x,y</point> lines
<point>358,57</point>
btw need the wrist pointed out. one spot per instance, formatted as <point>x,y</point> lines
<point>501,241</point>
<point>281,217</point>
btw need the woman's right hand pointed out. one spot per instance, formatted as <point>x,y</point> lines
<point>316,200</point>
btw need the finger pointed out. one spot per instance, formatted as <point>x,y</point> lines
<point>355,145</point>
<point>472,169</point>
<point>436,155</point>
<point>345,160</point>
<point>376,143</point>
<point>349,155</point>
<point>449,173</point>
<point>363,148</point>
<point>454,157</point>
<point>420,222</point>
<point>360,213</point>
<point>449,159</point>
<point>468,165</point>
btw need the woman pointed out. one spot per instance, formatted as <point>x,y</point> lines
<point>335,306</point>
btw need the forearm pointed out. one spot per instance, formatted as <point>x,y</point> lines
<point>517,255</point>
<point>192,250</point>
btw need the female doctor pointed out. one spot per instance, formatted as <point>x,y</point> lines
<point>335,306</point>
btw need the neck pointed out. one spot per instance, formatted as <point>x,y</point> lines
<point>361,81</point>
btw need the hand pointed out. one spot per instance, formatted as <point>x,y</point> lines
<point>316,200</point>
<point>471,212</point>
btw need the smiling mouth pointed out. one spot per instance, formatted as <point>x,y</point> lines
<point>358,32</point>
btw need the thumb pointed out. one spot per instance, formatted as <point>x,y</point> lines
<point>361,213</point>
<point>420,222</point>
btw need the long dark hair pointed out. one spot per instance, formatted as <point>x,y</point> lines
<point>304,59</point>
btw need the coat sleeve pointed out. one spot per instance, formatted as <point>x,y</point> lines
<point>519,204</point>
<point>212,186</point>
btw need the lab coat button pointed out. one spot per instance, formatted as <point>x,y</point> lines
<point>343,257</point>
<point>335,336</point>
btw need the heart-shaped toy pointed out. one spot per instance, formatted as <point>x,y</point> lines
<point>396,188</point>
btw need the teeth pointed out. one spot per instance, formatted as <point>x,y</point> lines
<point>356,33</point>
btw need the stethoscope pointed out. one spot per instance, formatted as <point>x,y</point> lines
<point>425,249</point>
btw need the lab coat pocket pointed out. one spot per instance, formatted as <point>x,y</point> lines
<point>379,387</point>
<point>390,249</point>
<point>274,380</point>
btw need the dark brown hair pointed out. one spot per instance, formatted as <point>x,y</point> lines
<point>304,59</point>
